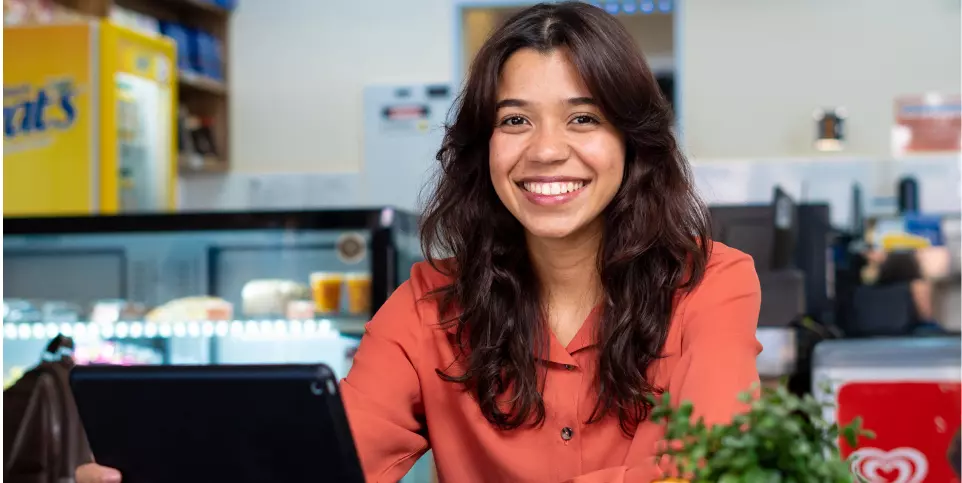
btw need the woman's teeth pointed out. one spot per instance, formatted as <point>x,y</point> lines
<point>553,188</point>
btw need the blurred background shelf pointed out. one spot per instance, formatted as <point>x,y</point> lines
<point>191,81</point>
<point>195,164</point>
<point>200,30</point>
<point>186,7</point>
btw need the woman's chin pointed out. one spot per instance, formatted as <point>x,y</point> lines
<point>556,228</point>
<point>550,233</point>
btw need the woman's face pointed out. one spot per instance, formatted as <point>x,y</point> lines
<point>555,161</point>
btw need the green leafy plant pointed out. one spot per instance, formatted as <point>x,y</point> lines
<point>782,438</point>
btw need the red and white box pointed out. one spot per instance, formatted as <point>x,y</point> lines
<point>915,424</point>
<point>908,392</point>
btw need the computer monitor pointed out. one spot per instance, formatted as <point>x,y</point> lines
<point>813,241</point>
<point>786,230</point>
<point>747,228</point>
<point>802,246</point>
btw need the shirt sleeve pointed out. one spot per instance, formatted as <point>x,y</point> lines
<point>382,391</point>
<point>719,348</point>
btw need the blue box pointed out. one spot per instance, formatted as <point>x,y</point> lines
<point>207,56</point>
<point>227,4</point>
<point>183,38</point>
<point>925,226</point>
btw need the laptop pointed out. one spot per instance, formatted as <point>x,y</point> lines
<point>159,424</point>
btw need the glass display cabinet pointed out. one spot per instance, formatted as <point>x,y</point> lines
<point>203,288</point>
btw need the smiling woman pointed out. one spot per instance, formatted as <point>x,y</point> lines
<point>562,157</point>
<point>581,280</point>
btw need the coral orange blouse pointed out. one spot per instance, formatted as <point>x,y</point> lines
<point>399,408</point>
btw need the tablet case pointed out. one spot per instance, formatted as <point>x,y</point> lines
<point>217,423</point>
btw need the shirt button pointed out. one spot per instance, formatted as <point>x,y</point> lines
<point>567,433</point>
<point>569,367</point>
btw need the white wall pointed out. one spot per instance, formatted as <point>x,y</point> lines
<point>297,68</point>
<point>753,71</point>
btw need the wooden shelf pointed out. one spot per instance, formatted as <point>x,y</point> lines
<point>208,165</point>
<point>200,5</point>
<point>195,13</point>
<point>201,96</point>
<point>198,83</point>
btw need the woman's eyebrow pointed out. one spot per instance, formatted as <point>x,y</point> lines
<point>581,101</point>
<point>574,101</point>
<point>511,103</point>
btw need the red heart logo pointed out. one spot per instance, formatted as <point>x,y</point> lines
<point>890,475</point>
<point>900,465</point>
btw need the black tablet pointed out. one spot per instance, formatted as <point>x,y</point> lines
<point>166,424</point>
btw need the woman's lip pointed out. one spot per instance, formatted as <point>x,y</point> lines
<point>552,200</point>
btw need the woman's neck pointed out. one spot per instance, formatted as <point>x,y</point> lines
<point>568,267</point>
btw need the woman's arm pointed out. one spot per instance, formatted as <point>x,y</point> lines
<point>718,352</point>
<point>382,392</point>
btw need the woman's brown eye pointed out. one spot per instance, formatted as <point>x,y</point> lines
<point>585,120</point>
<point>513,121</point>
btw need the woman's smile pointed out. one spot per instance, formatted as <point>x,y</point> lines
<point>552,190</point>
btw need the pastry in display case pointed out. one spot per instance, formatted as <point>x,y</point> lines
<point>201,288</point>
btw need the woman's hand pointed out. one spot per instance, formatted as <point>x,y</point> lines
<point>94,473</point>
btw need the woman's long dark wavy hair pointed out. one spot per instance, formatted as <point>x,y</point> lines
<point>655,239</point>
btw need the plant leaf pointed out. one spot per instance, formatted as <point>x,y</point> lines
<point>781,438</point>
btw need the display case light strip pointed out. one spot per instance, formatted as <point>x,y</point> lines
<point>150,330</point>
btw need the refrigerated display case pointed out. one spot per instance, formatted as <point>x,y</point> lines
<point>204,288</point>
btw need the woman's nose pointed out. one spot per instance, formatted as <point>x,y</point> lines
<point>548,146</point>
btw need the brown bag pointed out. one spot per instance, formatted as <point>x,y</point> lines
<point>43,438</point>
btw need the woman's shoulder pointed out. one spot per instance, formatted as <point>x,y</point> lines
<point>406,311</point>
<point>416,298</point>
<point>729,273</point>
<point>723,258</point>
<point>428,276</point>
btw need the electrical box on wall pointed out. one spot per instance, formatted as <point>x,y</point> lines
<point>403,129</point>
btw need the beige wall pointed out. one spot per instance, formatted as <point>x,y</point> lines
<point>752,71</point>
<point>298,67</point>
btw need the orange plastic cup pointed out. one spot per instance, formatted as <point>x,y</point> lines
<point>359,293</point>
<point>326,287</point>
